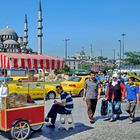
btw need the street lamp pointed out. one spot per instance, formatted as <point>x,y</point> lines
<point>120,52</point>
<point>66,40</point>
<point>123,46</point>
<point>114,57</point>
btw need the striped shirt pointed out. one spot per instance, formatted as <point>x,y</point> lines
<point>65,97</point>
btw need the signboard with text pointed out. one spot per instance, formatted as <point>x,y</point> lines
<point>17,72</point>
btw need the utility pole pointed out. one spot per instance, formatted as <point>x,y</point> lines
<point>120,52</point>
<point>101,59</point>
<point>66,40</point>
<point>101,53</point>
<point>114,57</point>
<point>91,53</point>
<point>123,46</point>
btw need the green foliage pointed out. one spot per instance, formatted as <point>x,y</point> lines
<point>132,58</point>
<point>101,58</point>
<point>56,71</point>
<point>66,68</point>
<point>85,67</point>
<point>104,68</point>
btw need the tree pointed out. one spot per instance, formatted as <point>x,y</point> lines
<point>101,58</point>
<point>132,58</point>
<point>85,66</point>
<point>66,68</point>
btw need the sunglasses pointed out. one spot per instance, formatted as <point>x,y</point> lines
<point>114,77</point>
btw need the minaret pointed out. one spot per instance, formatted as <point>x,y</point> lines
<point>40,29</point>
<point>25,31</point>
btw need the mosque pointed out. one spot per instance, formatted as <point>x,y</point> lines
<point>10,42</point>
<point>15,52</point>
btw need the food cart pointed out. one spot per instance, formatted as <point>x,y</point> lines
<point>19,114</point>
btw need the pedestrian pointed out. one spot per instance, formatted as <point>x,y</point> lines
<point>97,76</point>
<point>124,78</point>
<point>91,95</point>
<point>115,93</point>
<point>63,107</point>
<point>106,81</point>
<point>132,98</point>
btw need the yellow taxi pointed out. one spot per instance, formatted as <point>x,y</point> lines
<point>75,85</point>
<point>16,78</point>
<point>137,81</point>
<point>35,89</point>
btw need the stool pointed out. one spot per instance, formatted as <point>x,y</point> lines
<point>66,121</point>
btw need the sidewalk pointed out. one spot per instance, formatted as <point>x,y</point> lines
<point>101,130</point>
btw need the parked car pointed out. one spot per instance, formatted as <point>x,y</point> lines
<point>75,85</point>
<point>35,89</point>
<point>16,78</point>
<point>137,81</point>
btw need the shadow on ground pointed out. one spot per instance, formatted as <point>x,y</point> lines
<point>137,119</point>
<point>6,134</point>
<point>56,134</point>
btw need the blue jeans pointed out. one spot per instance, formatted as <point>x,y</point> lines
<point>105,87</point>
<point>111,107</point>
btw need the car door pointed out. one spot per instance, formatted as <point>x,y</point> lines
<point>21,88</point>
<point>36,90</point>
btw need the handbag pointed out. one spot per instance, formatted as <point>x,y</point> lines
<point>104,107</point>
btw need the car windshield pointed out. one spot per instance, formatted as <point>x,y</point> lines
<point>75,79</point>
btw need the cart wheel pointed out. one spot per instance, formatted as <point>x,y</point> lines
<point>20,130</point>
<point>37,127</point>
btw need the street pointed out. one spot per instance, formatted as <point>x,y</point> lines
<point>100,130</point>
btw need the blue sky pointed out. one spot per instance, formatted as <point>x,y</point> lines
<point>84,22</point>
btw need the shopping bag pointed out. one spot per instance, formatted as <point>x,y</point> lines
<point>104,107</point>
<point>117,107</point>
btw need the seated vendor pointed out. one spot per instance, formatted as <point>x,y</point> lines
<point>63,107</point>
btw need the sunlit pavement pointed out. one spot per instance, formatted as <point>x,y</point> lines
<point>100,130</point>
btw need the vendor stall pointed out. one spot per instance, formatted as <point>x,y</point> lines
<point>20,114</point>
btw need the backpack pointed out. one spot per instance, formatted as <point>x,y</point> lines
<point>104,107</point>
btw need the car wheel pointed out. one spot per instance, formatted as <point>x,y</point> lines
<point>81,93</point>
<point>51,95</point>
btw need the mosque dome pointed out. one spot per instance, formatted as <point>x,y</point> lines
<point>8,32</point>
<point>82,52</point>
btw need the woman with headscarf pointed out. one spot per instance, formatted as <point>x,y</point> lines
<point>115,93</point>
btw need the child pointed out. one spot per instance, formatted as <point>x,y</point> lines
<point>132,98</point>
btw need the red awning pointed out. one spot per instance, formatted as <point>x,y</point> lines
<point>14,60</point>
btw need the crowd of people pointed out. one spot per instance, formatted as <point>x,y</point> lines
<point>116,90</point>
